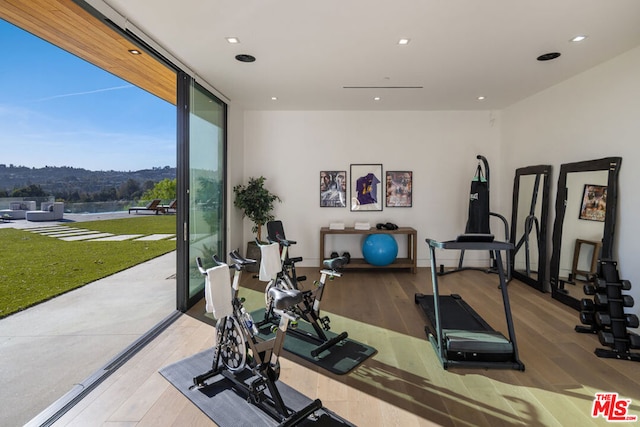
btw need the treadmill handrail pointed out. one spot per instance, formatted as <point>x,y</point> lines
<point>453,244</point>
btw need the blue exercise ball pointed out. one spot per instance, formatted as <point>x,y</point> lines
<point>380,249</point>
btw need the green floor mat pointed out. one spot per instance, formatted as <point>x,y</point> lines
<point>339,359</point>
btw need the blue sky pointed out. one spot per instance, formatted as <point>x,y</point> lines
<point>59,110</point>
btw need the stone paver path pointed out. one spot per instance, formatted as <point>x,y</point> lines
<point>72,234</point>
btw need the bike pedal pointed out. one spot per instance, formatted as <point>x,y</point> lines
<point>301,278</point>
<point>256,384</point>
<point>325,323</point>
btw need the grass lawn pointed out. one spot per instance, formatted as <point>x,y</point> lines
<point>143,224</point>
<point>36,268</point>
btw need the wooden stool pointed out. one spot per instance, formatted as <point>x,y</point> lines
<point>594,258</point>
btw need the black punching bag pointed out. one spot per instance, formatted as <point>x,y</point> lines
<point>478,221</point>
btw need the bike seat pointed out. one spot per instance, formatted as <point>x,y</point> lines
<point>335,263</point>
<point>284,298</point>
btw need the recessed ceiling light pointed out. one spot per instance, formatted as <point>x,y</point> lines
<point>403,42</point>
<point>481,98</point>
<point>377,98</point>
<point>548,56</point>
<point>274,98</point>
<point>233,40</point>
<point>135,52</point>
<point>243,57</point>
<point>578,38</point>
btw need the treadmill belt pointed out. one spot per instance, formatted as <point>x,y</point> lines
<point>455,313</point>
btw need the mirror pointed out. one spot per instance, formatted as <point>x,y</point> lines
<point>583,230</point>
<point>529,215</point>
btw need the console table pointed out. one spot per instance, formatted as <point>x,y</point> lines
<point>409,262</point>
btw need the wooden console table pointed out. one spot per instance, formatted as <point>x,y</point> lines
<point>410,262</point>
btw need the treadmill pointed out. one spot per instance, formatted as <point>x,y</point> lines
<point>459,335</point>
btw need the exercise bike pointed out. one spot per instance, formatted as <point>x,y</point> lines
<point>308,309</point>
<point>250,363</point>
<point>275,231</point>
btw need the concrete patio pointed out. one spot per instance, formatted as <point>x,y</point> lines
<point>48,349</point>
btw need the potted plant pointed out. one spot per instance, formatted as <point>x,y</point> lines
<point>256,203</point>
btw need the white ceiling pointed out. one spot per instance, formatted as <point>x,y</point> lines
<point>308,50</point>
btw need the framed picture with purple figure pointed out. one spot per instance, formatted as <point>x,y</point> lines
<point>366,187</point>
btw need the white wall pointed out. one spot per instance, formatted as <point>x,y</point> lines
<point>290,148</point>
<point>235,174</point>
<point>593,115</point>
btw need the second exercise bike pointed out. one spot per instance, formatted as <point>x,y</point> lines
<point>308,309</point>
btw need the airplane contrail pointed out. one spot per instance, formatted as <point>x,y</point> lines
<point>84,93</point>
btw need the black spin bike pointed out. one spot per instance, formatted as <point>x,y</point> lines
<point>248,361</point>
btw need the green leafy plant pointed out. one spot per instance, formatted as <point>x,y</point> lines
<point>165,190</point>
<point>256,203</point>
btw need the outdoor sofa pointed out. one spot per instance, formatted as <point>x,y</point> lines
<point>17,210</point>
<point>49,211</point>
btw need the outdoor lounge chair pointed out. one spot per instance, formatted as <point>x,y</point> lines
<point>153,205</point>
<point>48,212</point>
<point>171,207</point>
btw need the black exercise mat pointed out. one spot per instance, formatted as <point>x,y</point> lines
<point>338,359</point>
<point>455,313</point>
<point>228,407</point>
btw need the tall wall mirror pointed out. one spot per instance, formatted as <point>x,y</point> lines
<point>529,215</point>
<point>583,229</point>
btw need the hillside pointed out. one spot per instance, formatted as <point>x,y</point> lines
<point>67,180</point>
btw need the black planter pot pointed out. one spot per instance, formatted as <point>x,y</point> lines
<point>253,252</point>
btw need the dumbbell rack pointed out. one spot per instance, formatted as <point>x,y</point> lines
<point>604,314</point>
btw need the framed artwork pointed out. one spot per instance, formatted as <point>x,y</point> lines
<point>333,189</point>
<point>594,203</point>
<point>366,187</point>
<point>399,185</point>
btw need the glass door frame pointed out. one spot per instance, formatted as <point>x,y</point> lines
<point>184,300</point>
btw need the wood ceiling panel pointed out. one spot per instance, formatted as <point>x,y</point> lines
<point>68,26</point>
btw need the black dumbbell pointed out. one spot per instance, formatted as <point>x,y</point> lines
<point>586,304</point>
<point>602,299</point>
<point>627,300</point>
<point>631,320</point>
<point>624,284</point>
<point>634,341</point>
<point>603,319</point>
<point>586,317</point>
<point>606,338</point>
<point>589,289</point>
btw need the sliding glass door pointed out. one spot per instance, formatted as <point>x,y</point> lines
<point>203,223</point>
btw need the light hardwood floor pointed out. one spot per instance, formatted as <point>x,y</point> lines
<point>403,384</point>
